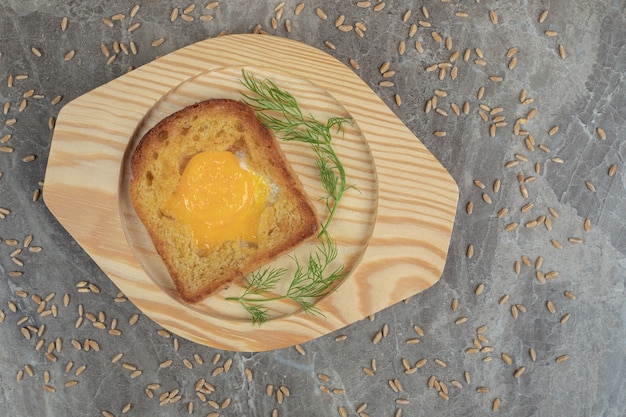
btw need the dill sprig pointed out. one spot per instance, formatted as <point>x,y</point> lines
<point>309,282</point>
<point>279,111</point>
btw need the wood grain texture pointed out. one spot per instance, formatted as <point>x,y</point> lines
<point>393,233</point>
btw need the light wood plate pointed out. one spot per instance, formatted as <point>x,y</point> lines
<point>393,229</point>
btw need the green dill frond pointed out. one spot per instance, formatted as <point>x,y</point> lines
<point>258,313</point>
<point>279,111</point>
<point>264,280</point>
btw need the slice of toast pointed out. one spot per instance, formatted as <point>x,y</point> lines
<point>157,164</point>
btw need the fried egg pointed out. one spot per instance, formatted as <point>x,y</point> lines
<point>220,199</point>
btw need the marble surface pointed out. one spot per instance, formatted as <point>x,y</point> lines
<point>568,171</point>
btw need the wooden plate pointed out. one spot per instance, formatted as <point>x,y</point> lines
<point>393,229</point>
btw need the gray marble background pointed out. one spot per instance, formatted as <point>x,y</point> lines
<point>580,93</point>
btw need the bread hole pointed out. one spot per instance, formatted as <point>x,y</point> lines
<point>185,129</point>
<point>182,164</point>
<point>149,177</point>
<point>155,155</point>
<point>163,134</point>
<point>239,147</point>
<point>239,127</point>
<point>244,244</point>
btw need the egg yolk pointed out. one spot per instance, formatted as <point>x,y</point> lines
<point>218,199</point>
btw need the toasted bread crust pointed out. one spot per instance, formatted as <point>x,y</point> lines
<point>157,164</point>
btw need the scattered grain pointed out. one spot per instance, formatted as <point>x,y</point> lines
<point>480,93</point>
<point>511,52</point>
<point>562,358</point>
<point>511,226</point>
<point>495,406</point>
<point>401,47</point>
<point>570,295</point>
<point>496,185</point>
<point>576,240</point>
<point>540,277</point>
<point>556,244</point>
<point>129,366</point>
<point>379,6</point>
<point>612,170</point>
<point>493,17</point>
